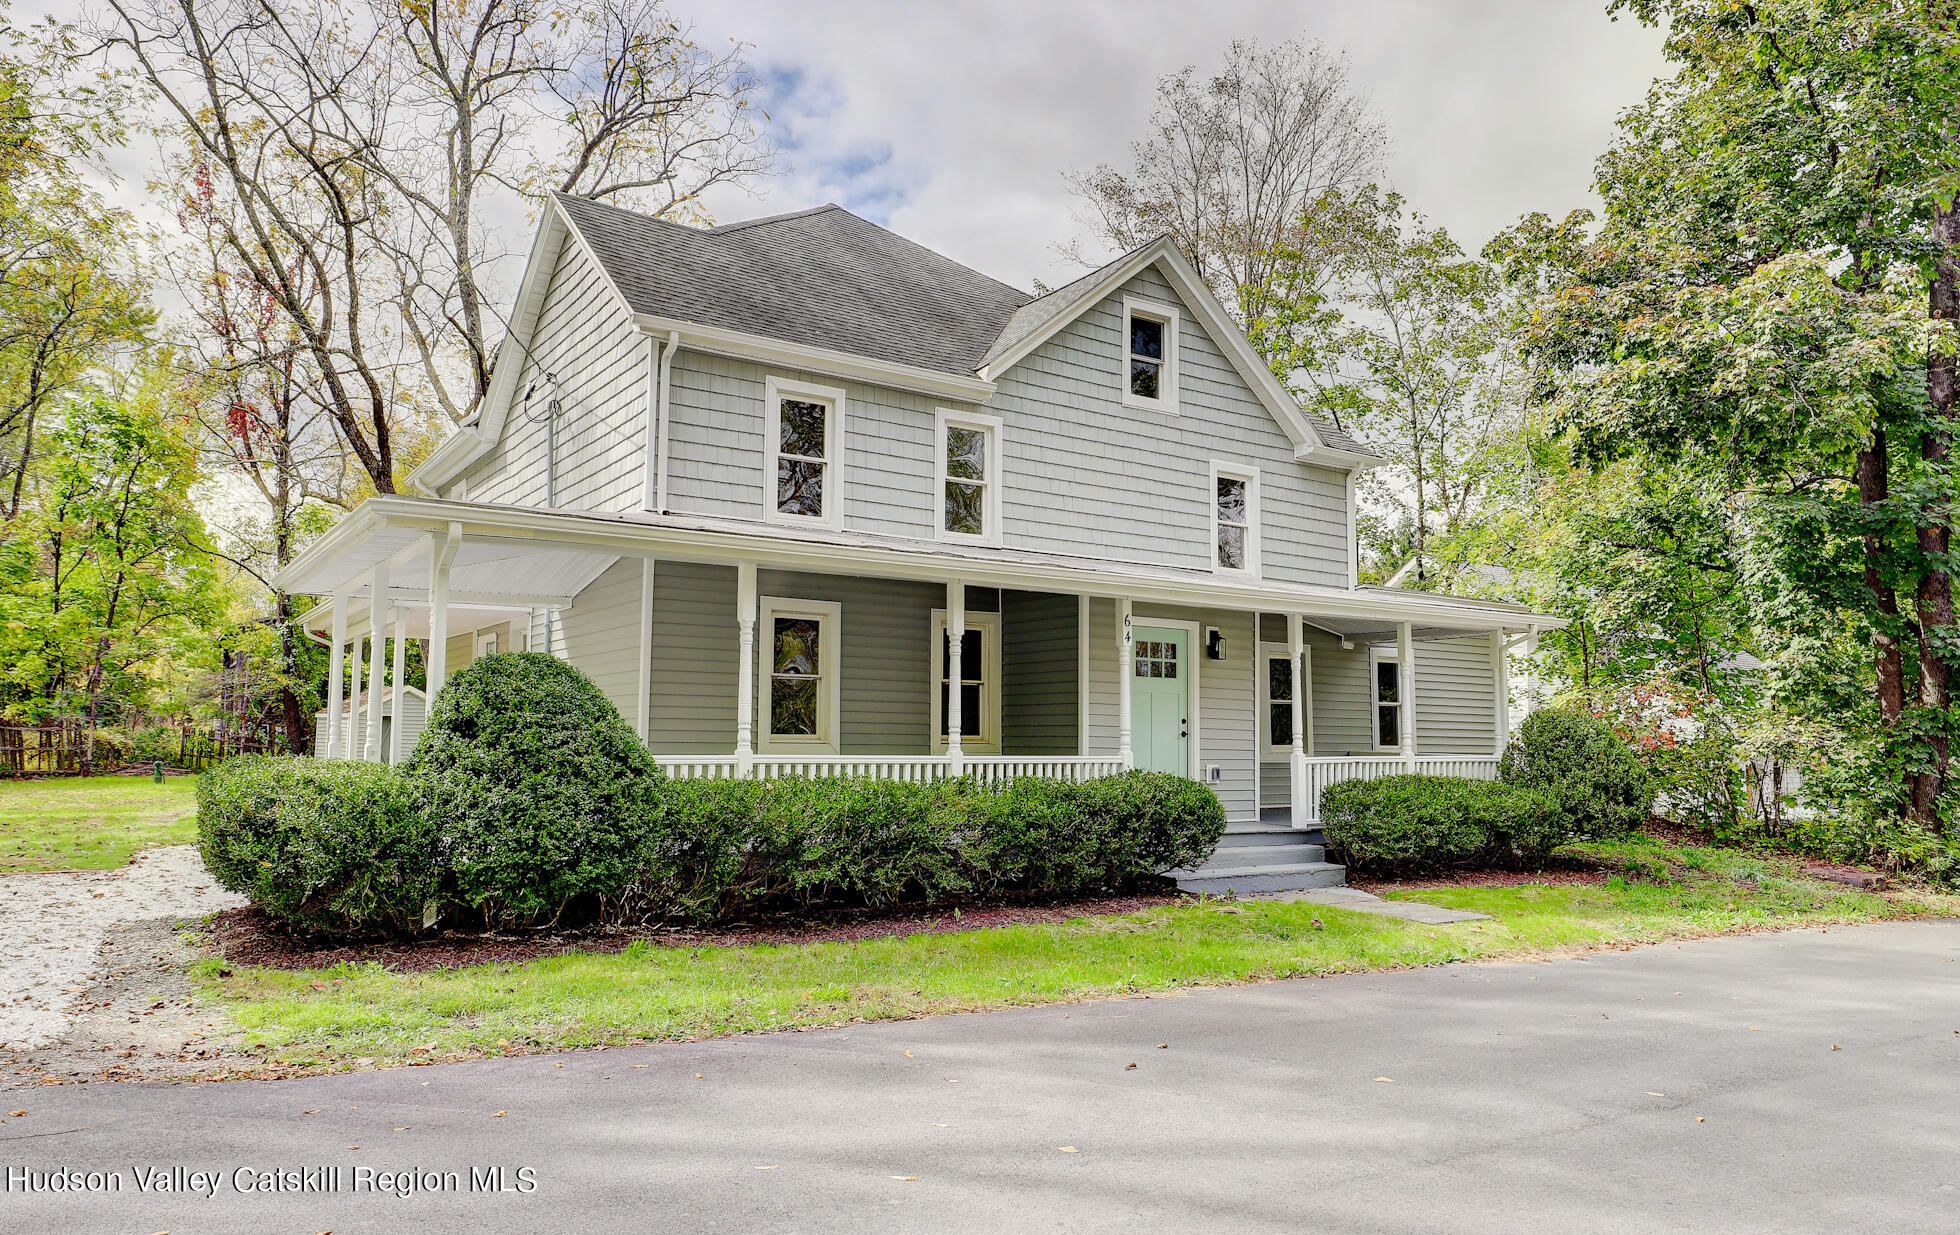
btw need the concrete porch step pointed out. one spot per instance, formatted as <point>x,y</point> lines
<point>1242,857</point>
<point>1290,877</point>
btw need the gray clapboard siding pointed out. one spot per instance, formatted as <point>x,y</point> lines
<point>586,339</point>
<point>695,653</point>
<point>1455,697</point>
<point>600,634</point>
<point>885,656</point>
<point>1087,475</point>
<point>1039,674</point>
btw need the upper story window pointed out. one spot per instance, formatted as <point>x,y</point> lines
<point>969,477</point>
<point>801,472</point>
<point>1386,664</point>
<point>1149,355</point>
<point>1235,518</point>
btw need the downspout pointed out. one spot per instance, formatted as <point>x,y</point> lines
<point>662,419</point>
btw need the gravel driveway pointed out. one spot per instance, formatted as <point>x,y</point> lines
<point>55,925</point>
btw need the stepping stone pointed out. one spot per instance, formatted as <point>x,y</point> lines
<point>1368,902</point>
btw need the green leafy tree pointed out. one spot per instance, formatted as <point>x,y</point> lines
<point>1767,309</point>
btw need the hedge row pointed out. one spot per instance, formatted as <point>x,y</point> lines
<point>528,796</point>
<point>1411,823</point>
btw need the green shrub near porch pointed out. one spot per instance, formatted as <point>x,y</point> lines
<point>1414,823</point>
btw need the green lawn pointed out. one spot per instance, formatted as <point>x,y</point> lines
<point>366,1015</point>
<point>93,823</point>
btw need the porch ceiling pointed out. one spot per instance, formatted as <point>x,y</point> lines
<point>518,556</point>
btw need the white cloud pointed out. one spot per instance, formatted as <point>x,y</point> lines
<point>954,123</point>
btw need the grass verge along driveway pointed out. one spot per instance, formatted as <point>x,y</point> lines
<point>363,1015</point>
<point>92,823</point>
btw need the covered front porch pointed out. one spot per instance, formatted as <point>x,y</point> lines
<point>738,650</point>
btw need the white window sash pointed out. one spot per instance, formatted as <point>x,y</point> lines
<point>1302,682</point>
<point>1250,477</point>
<point>1167,316</point>
<point>828,616</point>
<point>775,391</point>
<point>1378,656</point>
<point>990,501</point>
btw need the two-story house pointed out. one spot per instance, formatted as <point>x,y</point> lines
<point>806,498</point>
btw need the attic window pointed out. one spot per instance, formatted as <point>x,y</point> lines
<point>1149,355</point>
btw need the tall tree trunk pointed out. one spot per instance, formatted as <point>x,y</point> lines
<point>1874,487</point>
<point>1935,598</point>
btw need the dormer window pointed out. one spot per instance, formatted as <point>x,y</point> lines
<point>800,470</point>
<point>1149,355</point>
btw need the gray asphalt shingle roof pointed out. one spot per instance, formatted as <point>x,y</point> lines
<point>822,278</point>
<point>826,278</point>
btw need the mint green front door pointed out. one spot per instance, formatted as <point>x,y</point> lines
<point>1160,697</point>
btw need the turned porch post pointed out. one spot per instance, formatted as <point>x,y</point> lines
<point>955,654</point>
<point>1124,668</point>
<point>328,743</point>
<point>1405,646</point>
<point>1301,809</point>
<point>1500,668</point>
<point>745,673</point>
<point>377,663</point>
<point>398,678</point>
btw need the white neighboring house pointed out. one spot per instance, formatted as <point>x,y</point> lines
<point>806,498</point>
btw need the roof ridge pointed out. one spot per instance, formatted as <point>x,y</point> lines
<point>739,224</point>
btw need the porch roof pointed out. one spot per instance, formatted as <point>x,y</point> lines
<point>512,558</point>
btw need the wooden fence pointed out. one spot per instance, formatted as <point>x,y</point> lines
<point>62,748</point>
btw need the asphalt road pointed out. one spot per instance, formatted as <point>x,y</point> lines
<point>1689,1087</point>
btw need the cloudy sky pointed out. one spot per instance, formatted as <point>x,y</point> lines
<point>954,123</point>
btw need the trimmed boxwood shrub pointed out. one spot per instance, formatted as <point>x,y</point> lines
<point>324,844</point>
<point>1413,823</point>
<point>1600,785</point>
<point>726,846</point>
<point>539,791</point>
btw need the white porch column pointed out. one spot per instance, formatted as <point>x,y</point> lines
<point>1405,646</point>
<point>644,717</point>
<point>1500,669</point>
<point>328,743</point>
<point>1301,809</point>
<point>1124,668</point>
<point>398,680</point>
<point>745,672</point>
<point>955,658</point>
<point>442,555</point>
<point>354,704</point>
<point>377,663</point>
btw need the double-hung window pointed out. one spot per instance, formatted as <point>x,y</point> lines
<point>976,671</point>
<point>969,477</point>
<point>1385,664</point>
<point>800,472</point>
<point>1235,518</point>
<point>799,679</point>
<point>1277,683</point>
<point>1149,357</point>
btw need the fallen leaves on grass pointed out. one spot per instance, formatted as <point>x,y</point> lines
<point>1067,1149</point>
<point>1386,1080</point>
<point>499,1114</point>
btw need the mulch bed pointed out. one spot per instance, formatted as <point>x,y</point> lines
<point>249,937</point>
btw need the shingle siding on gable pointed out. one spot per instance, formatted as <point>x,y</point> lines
<point>1087,475</point>
<point>585,337</point>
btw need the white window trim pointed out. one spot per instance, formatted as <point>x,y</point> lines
<point>988,624</point>
<point>1157,310</point>
<point>990,509</point>
<point>830,618</point>
<point>1250,475</point>
<point>1378,653</point>
<point>478,639</point>
<point>1269,651</point>
<point>775,390</point>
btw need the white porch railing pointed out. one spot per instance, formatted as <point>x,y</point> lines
<point>1322,772</point>
<point>919,769</point>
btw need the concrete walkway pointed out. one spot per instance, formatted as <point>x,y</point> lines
<point>1804,1081</point>
<point>1368,902</point>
